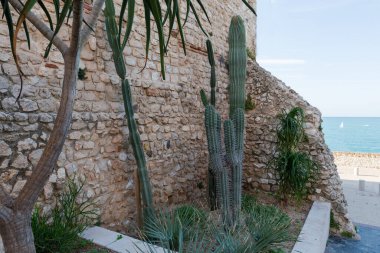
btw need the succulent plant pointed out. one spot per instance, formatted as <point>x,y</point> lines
<point>227,165</point>
<point>117,49</point>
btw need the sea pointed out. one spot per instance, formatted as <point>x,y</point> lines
<point>352,134</point>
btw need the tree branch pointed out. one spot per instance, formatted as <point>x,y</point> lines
<point>44,29</point>
<point>35,183</point>
<point>93,17</point>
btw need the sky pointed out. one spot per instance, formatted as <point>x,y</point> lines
<point>326,50</point>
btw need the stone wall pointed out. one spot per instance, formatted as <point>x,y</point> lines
<point>271,96</point>
<point>97,150</point>
<point>169,113</point>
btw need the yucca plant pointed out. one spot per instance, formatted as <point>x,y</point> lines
<point>294,168</point>
<point>15,214</point>
<point>263,228</point>
<point>171,229</point>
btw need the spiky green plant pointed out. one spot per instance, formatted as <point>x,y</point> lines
<point>263,228</point>
<point>290,131</point>
<point>294,167</point>
<point>59,231</point>
<point>226,165</point>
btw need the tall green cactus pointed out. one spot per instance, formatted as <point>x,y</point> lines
<point>211,176</point>
<point>227,165</point>
<point>117,50</point>
<point>237,62</point>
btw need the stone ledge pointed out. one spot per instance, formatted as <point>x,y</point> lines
<point>110,240</point>
<point>315,231</point>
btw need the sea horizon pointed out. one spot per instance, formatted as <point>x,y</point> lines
<point>352,134</point>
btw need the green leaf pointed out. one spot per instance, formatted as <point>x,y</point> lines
<point>172,16</point>
<point>147,26</point>
<point>131,14</point>
<point>187,11</point>
<point>197,18</point>
<point>56,9</point>
<point>65,9</point>
<point>180,28</point>
<point>8,17</point>
<point>249,7</point>
<point>204,10</point>
<point>121,16</point>
<point>168,10</point>
<point>156,12</point>
<point>45,10</point>
<point>26,33</point>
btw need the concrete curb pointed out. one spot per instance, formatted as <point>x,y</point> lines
<point>118,242</point>
<point>315,232</point>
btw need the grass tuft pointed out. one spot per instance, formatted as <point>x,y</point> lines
<point>58,232</point>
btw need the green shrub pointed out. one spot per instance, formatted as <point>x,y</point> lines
<point>333,223</point>
<point>58,232</point>
<point>294,168</point>
<point>269,226</point>
<point>191,215</point>
<point>248,202</point>
<point>347,234</point>
<point>290,132</point>
<point>170,229</point>
<point>261,229</point>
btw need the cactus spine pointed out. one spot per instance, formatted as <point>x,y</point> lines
<point>227,165</point>
<point>117,50</point>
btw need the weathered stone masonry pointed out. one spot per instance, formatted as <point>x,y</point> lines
<point>271,97</point>
<point>169,114</point>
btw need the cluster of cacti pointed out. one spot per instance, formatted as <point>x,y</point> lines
<point>117,50</point>
<point>227,165</point>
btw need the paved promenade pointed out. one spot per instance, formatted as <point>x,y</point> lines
<point>361,187</point>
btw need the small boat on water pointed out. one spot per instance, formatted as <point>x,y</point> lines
<point>341,125</point>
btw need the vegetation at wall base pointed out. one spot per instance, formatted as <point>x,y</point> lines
<point>347,234</point>
<point>333,223</point>
<point>261,228</point>
<point>59,231</point>
<point>295,169</point>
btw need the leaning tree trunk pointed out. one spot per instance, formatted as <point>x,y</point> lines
<point>15,215</point>
<point>17,233</point>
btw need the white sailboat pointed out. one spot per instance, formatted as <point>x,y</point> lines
<point>341,125</point>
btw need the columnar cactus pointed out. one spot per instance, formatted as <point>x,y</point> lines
<point>227,165</point>
<point>117,49</point>
<point>237,60</point>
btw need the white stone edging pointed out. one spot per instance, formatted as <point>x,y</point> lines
<point>315,232</point>
<point>118,242</point>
